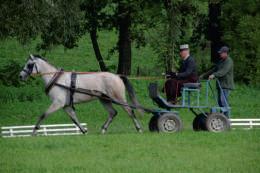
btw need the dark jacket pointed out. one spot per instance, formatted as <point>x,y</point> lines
<point>188,70</point>
<point>223,71</point>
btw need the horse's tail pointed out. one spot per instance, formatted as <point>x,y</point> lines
<point>131,93</point>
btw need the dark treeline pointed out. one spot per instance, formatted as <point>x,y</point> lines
<point>163,24</point>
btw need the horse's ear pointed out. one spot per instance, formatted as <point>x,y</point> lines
<point>31,56</point>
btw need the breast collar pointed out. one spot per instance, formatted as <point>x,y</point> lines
<point>52,82</point>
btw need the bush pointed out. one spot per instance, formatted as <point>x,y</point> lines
<point>242,33</point>
<point>21,94</point>
<point>9,74</point>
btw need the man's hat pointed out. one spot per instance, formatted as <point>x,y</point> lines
<point>223,49</point>
<point>184,47</point>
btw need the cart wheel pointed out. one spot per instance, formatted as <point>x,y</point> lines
<point>199,122</point>
<point>169,122</point>
<point>153,127</point>
<point>217,122</point>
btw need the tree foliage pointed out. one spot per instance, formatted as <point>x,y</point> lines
<point>174,23</point>
<point>241,31</point>
<point>21,19</point>
<point>62,24</point>
<point>57,22</point>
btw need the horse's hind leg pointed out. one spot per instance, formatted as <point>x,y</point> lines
<point>132,115</point>
<point>112,113</point>
<point>53,107</point>
<point>74,118</point>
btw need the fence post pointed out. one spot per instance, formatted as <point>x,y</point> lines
<point>45,131</point>
<point>77,129</point>
<point>11,132</point>
<point>251,124</point>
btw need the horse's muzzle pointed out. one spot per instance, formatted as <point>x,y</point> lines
<point>22,76</point>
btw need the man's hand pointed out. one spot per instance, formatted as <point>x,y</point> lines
<point>201,77</point>
<point>171,74</point>
<point>211,77</point>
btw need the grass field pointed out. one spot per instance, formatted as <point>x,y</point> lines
<point>236,151</point>
<point>82,58</point>
<point>122,149</point>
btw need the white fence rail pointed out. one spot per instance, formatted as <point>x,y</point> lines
<point>245,123</point>
<point>45,130</point>
<point>72,129</point>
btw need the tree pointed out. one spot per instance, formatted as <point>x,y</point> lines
<point>22,19</point>
<point>62,24</point>
<point>95,19</point>
<point>175,23</point>
<point>173,31</point>
<point>215,28</point>
<point>124,42</point>
<point>241,30</point>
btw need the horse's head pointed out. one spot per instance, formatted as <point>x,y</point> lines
<point>29,68</point>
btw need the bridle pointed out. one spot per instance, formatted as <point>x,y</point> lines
<point>30,67</point>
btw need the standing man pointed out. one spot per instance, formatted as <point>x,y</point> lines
<point>223,71</point>
<point>186,74</point>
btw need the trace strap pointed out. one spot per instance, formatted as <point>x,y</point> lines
<point>101,95</point>
<point>72,88</point>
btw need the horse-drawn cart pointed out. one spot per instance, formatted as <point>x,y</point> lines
<point>207,117</point>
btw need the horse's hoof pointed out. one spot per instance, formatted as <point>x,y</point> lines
<point>140,130</point>
<point>103,131</point>
<point>84,131</point>
<point>34,133</point>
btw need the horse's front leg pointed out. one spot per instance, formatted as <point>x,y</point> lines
<point>74,118</point>
<point>53,107</point>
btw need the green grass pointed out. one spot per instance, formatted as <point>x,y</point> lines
<point>236,151</point>
<point>82,58</point>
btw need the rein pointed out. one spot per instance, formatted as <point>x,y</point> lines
<point>133,78</point>
<point>51,73</point>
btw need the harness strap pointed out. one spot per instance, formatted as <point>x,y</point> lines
<point>72,88</point>
<point>53,81</point>
<point>99,94</point>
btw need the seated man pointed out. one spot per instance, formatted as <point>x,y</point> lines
<point>186,74</point>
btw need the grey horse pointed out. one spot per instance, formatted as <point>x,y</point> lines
<point>109,84</point>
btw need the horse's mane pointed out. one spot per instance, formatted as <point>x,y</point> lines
<point>40,57</point>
